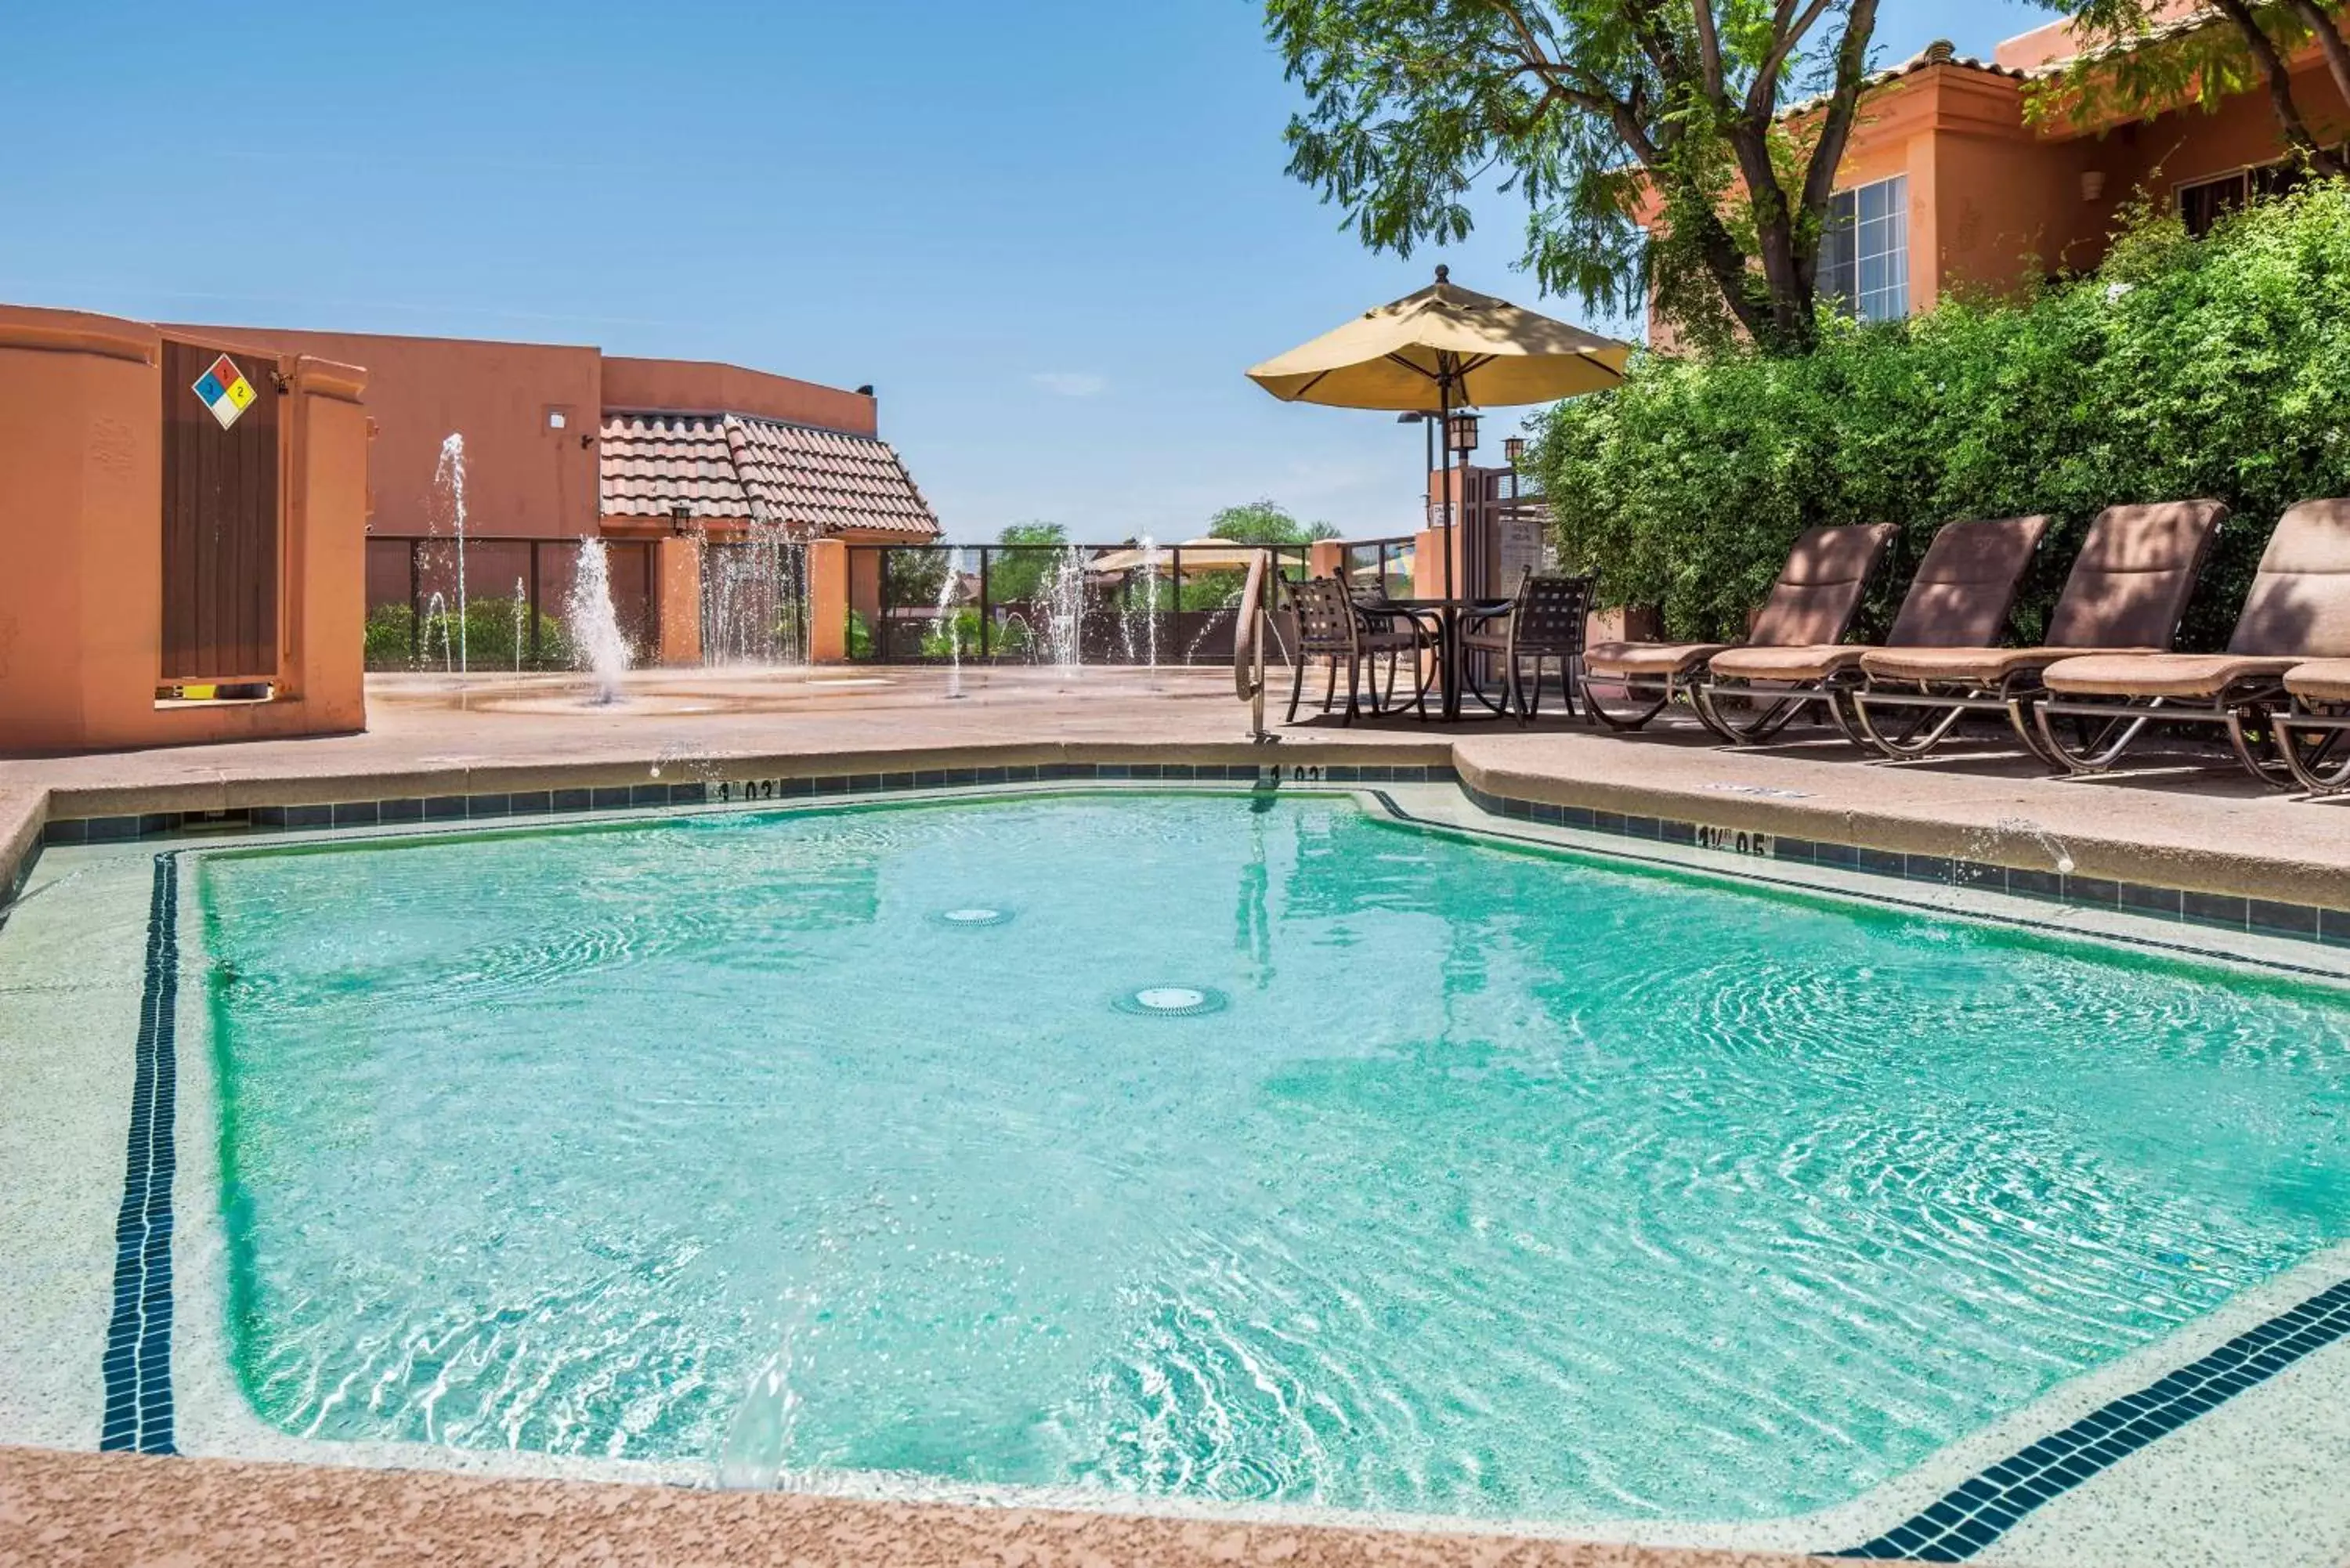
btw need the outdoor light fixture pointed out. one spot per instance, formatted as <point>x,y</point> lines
<point>1514,448</point>
<point>677,518</point>
<point>1460,434</point>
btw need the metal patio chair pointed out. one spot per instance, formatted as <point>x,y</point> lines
<point>1546,619</point>
<point>1331,626</point>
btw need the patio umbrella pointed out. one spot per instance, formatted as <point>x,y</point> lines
<point>1442,348</point>
<point>1199,555</point>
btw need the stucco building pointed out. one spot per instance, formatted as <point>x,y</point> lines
<point>1948,182</point>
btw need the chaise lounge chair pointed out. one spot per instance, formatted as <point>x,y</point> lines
<point>2317,723</point>
<point>2298,610</point>
<point>1959,598</point>
<point>1818,592</point>
<point>2127,589</point>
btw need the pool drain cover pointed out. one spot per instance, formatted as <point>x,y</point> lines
<point>971,915</point>
<point>1171,1001</point>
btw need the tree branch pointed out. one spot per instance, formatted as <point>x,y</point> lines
<point>1761,97</point>
<point>2278,77</point>
<point>1708,50</point>
<point>2320,21</point>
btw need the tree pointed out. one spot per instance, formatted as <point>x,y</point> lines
<point>1265,522</point>
<point>1591,108</point>
<point>1015,576</point>
<point>2132,57</point>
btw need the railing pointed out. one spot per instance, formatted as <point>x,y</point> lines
<point>513,599</point>
<point>1052,604</point>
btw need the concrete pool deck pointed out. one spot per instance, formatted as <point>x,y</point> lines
<point>2186,820</point>
<point>2184,824</point>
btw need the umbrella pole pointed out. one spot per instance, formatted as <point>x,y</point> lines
<point>1446,663</point>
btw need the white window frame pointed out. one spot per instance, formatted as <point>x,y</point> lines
<point>1864,253</point>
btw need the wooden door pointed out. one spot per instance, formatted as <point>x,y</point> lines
<point>220,517</point>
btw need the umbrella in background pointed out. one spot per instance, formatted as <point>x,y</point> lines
<point>1442,348</point>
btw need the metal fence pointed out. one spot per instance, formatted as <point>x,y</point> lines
<point>1385,564</point>
<point>1052,604</point>
<point>497,602</point>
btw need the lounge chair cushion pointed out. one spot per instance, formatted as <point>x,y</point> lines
<point>1813,663</point>
<point>1966,585</point>
<point>2300,599</point>
<point>1970,666</point>
<point>2320,680</point>
<point>2158,674</point>
<point>1821,585</point>
<point>2131,582</point>
<point>1651,659</point>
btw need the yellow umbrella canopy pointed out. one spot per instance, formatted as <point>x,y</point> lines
<point>1442,348</point>
<point>1199,555</point>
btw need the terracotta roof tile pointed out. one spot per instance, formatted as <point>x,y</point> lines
<point>1938,53</point>
<point>731,465</point>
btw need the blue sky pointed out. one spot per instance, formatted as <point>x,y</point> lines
<point>1051,234</point>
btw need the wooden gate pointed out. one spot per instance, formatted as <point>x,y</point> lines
<point>220,520</point>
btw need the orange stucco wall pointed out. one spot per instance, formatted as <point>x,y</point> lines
<point>678,583</point>
<point>520,476</point>
<point>1995,203</point>
<point>81,532</point>
<point>695,386</point>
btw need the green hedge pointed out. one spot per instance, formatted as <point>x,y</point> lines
<point>2183,368</point>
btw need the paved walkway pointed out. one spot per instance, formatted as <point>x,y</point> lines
<point>2189,820</point>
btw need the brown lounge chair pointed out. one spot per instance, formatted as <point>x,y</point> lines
<point>2298,610</point>
<point>2317,723</point>
<point>1959,598</point>
<point>2127,589</point>
<point>1818,592</point>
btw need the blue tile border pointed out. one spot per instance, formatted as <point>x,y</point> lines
<point>137,1364</point>
<point>2254,917</point>
<point>1982,1509</point>
<point>491,806</point>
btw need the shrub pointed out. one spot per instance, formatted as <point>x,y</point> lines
<point>2182,368</point>
<point>396,642</point>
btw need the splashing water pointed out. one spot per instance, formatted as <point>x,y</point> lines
<point>603,652</point>
<point>521,615</point>
<point>1147,612</point>
<point>759,1438</point>
<point>944,624</point>
<point>448,474</point>
<point>752,593</point>
<point>2023,828</point>
<point>436,613</point>
<point>1065,605</point>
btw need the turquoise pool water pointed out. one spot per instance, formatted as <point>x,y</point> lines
<point>1463,1181</point>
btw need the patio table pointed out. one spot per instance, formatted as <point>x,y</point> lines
<point>1451,615</point>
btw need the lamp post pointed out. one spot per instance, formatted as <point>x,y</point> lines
<point>1461,439</point>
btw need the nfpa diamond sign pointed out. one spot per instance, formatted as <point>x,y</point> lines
<point>224,389</point>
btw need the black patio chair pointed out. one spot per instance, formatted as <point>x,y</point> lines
<point>1545,619</point>
<point>1331,626</point>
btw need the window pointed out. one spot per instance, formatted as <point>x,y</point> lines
<point>2204,203</point>
<point>1865,255</point>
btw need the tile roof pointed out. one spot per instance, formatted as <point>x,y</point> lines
<point>731,465</point>
<point>1941,52</point>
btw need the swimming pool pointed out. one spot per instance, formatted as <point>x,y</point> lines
<point>1442,1178</point>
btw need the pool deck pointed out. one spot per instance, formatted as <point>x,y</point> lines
<point>2186,821</point>
<point>2183,820</point>
<point>63,1509</point>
